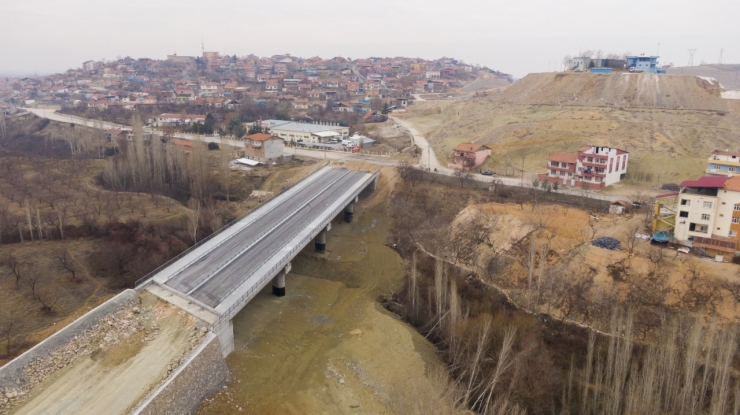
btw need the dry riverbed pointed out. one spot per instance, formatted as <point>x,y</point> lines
<point>328,347</point>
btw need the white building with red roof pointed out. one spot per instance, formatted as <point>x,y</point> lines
<point>594,167</point>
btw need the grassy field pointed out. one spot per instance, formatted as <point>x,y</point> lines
<point>665,145</point>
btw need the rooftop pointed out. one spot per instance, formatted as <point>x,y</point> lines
<point>726,153</point>
<point>564,157</point>
<point>299,126</point>
<point>259,137</point>
<point>710,182</point>
<point>733,184</point>
<point>469,147</point>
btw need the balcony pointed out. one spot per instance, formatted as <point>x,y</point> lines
<point>592,173</point>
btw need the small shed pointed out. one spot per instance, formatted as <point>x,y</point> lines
<point>619,207</point>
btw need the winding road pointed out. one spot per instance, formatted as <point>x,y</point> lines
<point>428,157</point>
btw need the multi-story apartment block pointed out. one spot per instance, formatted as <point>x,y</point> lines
<point>594,167</point>
<point>723,163</point>
<point>707,213</point>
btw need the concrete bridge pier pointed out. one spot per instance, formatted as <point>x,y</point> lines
<point>349,211</point>
<point>320,242</point>
<point>278,283</point>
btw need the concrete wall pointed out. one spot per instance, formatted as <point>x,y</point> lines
<point>13,370</point>
<point>202,375</point>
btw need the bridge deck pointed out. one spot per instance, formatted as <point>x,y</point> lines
<point>214,275</point>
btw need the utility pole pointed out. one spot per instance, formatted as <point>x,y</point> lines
<point>691,57</point>
<point>523,171</point>
<point>721,52</point>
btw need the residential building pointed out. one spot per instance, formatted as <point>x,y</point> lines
<point>468,156</point>
<point>263,147</point>
<point>723,163</point>
<point>708,213</point>
<point>594,167</point>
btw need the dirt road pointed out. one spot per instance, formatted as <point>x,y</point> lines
<point>116,376</point>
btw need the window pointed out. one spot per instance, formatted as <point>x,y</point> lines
<point>683,214</point>
<point>553,172</point>
<point>737,207</point>
<point>733,233</point>
<point>736,220</point>
<point>685,202</point>
<point>704,216</point>
<point>731,169</point>
<point>707,205</point>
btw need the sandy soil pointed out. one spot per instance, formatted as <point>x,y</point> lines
<point>327,346</point>
<point>113,379</point>
<point>567,232</point>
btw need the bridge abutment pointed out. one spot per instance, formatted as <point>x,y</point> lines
<point>224,330</point>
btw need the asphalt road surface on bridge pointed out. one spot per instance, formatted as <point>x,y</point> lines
<point>213,276</point>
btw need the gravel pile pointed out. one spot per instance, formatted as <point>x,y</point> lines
<point>606,243</point>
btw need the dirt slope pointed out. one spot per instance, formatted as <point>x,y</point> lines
<point>617,90</point>
<point>728,74</point>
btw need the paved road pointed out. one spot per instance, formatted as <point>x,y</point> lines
<point>428,158</point>
<point>214,276</point>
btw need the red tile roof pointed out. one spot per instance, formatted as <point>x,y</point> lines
<point>726,153</point>
<point>714,182</point>
<point>733,184</point>
<point>564,157</point>
<point>469,147</point>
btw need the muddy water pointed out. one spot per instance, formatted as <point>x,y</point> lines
<point>327,347</point>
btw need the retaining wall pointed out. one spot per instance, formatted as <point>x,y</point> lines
<point>12,372</point>
<point>201,375</point>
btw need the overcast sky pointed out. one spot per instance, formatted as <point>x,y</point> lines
<point>516,36</point>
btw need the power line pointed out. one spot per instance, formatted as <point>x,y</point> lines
<point>691,57</point>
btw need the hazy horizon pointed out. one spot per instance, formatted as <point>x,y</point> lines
<point>51,36</point>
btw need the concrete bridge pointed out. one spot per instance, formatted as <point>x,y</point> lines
<point>217,278</point>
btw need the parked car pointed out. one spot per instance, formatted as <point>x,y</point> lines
<point>488,173</point>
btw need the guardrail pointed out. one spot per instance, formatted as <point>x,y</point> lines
<point>280,265</point>
<point>151,274</point>
<point>208,276</point>
<point>237,231</point>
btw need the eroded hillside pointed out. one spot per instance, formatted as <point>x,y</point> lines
<point>638,90</point>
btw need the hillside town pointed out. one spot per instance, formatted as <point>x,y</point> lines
<point>214,81</point>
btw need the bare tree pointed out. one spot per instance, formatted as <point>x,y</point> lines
<point>15,266</point>
<point>41,290</point>
<point>66,262</point>
<point>630,236</point>
<point>409,173</point>
<point>10,322</point>
<point>194,218</point>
